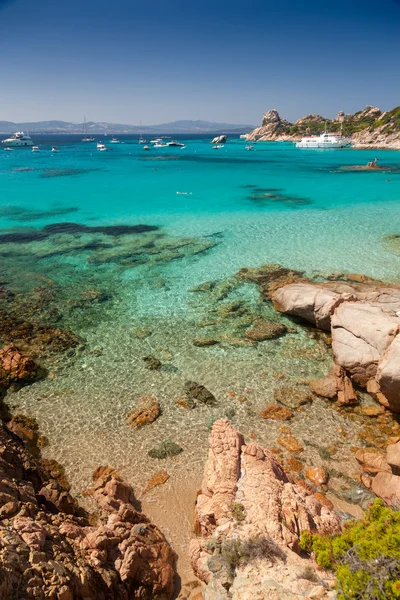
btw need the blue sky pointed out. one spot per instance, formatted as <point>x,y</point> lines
<point>157,61</point>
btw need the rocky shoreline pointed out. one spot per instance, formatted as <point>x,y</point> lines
<point>370,128</point>
<point>263,492</point>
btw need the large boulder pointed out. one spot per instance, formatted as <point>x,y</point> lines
<point>388,375</point>
<point>15,368</point>
<point>310,302</point>
<point>361,333</point>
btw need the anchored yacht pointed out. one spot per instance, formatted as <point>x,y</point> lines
<point>18,140</point>
<point>325,140</point>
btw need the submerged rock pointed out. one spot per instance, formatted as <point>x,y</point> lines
<point>205,341</point>
<point>276,413</point>
<point>165,450</point>
<point>147,410</point>
<point>265,330</point>
<point>152,363</point>
<point>292,396</point>
<point>15,368</point>
<point>197,392</point>
<point>155,480</point>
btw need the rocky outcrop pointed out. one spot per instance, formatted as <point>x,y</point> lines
<point>386,483</point>
<point>220,139</point>
<point>364,320</point>
<point>15,368</point>
<point>370,128</point>
<point>49,549</point>
<point>273,128</point>
<point>247,499</point>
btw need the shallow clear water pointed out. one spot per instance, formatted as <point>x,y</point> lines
<point>273,204</point>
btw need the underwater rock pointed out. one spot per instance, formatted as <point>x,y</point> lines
<point>114,230</point>
<point>276,412</point>
<point>270,277</point>
<point>207,286</point>
<point>141,333</point>
<point>291,443</point>
<point>152,363</point>
<point>27,429</point>
<point>318,475</point>
<point>265,330</point>
<point>16,368</point>
<point>196,391</point>
<point>146,411</point>
<point>292,397</point>
<point>155,480</point>
<point>205,341</point>
<point>165,450</point>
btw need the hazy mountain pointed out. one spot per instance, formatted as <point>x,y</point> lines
<point>101,128</point>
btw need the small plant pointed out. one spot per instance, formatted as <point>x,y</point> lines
<point>237,510</point>
<point>365,556</point>
<point>309,574</point>
<point>238,551</point>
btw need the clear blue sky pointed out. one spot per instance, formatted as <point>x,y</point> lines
<point>161,60</point>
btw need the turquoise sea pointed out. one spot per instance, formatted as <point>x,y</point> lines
<point>129,293</point>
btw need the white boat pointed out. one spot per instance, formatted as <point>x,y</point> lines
<point>218,146</point>
<point>9,149</point>
<point>114,140</point>
<point>175,143</point>
<point>156,141</point>
<point>35,149</point>
<point>244,136</point>
<point>325,140</point>
<point>146,148</point>
<point>54,149</point>
<point>18,140</point>
<point>141,140</point>
<point>101,147</point>
<point>86,137</point>
<point>159,145</point>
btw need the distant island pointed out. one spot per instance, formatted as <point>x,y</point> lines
<point>370,128</point>
<point>112,128</point>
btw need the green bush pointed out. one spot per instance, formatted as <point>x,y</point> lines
<point>365,556</point>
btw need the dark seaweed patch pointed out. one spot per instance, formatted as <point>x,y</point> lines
<point>47,173</point>
<point>114,230</point>
<point>22,237</point>
<point>19,213</point>
<point>271,198</point>
<point>35,235</point>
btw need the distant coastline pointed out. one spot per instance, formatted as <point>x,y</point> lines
<point>102,128</point>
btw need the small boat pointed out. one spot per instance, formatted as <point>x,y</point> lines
<point>142,140</point>
<point>175,143</point>
<point>114,140</point>
<point>146,148</point>
<point>218,147</point>
<point>86,137</point>
<point>35,149</point>
<point>156,141</point>
<point>101,147</point>
<point>159,145</point>
<point>54,149</point>
<point>9,149</point>
<point>18,140</point>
